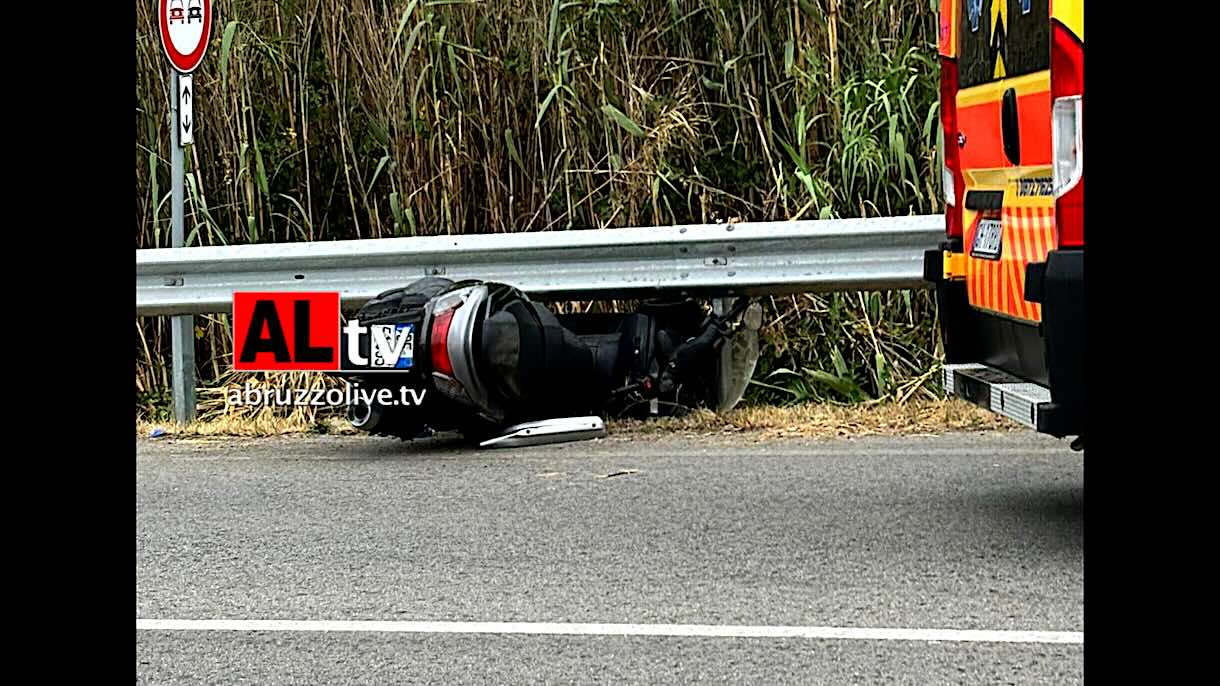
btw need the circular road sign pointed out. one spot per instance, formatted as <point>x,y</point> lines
<point>186,26</point>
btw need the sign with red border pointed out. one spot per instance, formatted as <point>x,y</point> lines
<point>186,26</point>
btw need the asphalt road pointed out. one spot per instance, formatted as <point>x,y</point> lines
<point>966,531</point>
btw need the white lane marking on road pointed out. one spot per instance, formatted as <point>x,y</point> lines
<point>565,629</point>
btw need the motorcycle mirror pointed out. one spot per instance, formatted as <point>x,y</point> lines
<point>546,431</point>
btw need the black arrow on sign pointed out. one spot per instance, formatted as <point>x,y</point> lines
<point>186,124</point>
<point>186,95</point>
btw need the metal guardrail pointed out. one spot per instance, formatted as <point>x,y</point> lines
<point>712,260</point>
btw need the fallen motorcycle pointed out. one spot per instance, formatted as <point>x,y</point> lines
<point>487,358</point>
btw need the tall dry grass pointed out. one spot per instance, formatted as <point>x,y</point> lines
<point>333,119</point>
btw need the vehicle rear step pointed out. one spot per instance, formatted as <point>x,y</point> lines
<point>1000,392</point>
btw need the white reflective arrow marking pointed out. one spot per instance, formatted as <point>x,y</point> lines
<point>186,110</point>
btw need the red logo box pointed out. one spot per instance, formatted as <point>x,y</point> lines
<point>286,331</point>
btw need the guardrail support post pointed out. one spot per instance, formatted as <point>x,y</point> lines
<point>182,327</point>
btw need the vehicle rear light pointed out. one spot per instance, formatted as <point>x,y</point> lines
<point>951,168</point>
<point>439,341</point>
<point>1067,135</point>
<point>946,174</point>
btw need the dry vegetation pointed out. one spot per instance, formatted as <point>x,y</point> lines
<point>333,119</point>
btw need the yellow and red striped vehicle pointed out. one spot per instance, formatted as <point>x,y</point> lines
<point>1009,276</point>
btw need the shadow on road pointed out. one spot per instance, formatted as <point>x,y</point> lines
<point>1053,514</point>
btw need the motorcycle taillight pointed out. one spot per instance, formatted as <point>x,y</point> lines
<point>439,337</point>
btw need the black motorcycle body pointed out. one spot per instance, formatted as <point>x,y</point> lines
<point>488,357</point>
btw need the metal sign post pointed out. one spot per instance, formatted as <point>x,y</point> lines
<point>185,30</point>
<point>182,327</point>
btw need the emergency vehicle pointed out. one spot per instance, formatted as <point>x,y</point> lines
<point>1009,276</point>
